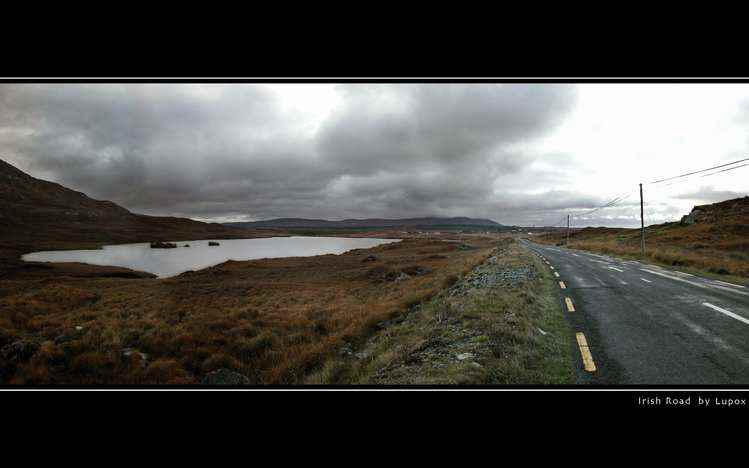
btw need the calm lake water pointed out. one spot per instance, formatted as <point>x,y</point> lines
<point>170,262</point>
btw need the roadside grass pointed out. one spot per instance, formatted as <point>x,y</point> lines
<point>500,328</point>
<point>722,265</point>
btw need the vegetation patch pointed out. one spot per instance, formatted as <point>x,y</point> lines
<point>508,330</point>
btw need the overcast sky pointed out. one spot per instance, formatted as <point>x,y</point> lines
<point>518,154</point>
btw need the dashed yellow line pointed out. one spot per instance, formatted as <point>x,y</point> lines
<point>556,274</point>
<point>582,343</point>
<point>551,267</point>
<point>562,285</point>
<point>570,307</point>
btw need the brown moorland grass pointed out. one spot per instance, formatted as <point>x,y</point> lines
<point>272,320</point>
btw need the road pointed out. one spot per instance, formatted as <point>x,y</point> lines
<point>649,325</point>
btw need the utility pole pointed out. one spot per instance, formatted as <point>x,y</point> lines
<point>642,225</point>
<point>568,230</point>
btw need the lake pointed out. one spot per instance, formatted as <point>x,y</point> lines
<point>170,262</point>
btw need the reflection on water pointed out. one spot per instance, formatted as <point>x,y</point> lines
<point>170,262</point>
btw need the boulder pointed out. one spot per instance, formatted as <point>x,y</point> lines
<point>128,354</point>
<point>401,277</point>
<point>163,245</point>
<point>416,270</point>
<point>18,351</point>
<point>691,218</point>
<point>72,335</point>
<point>464,356</point>
<point>225,377</point>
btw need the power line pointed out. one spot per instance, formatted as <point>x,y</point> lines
<point>724,170</point>
<point>697,172</point>
<point>611,203</point>
<point>617,200</point>
<point>681,181</point>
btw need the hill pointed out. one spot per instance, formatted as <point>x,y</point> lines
<point>41,215</point>
<point>713,238</point>
<point>410,223</point>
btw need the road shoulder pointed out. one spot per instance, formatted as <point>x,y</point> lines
<point>499,324</point>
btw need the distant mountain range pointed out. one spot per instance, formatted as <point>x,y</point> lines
<point>372,223</point>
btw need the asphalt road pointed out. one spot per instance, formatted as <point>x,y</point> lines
<point>649,325</point>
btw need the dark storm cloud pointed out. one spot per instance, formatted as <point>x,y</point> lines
<point>234,151</point>
<point>410,126</point>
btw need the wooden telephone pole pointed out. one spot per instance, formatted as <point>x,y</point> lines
<point>568,230</point>
<point>642,225</point>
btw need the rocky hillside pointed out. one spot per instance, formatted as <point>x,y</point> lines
<point>412,223</point>
<point>735,211</point>
<point>36,214</point>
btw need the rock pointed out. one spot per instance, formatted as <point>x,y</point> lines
<point>401,277</point>
<point>362,355</point>
<point>213,244</point>
<point>18,351</point>
<point>68,337</point>
<point>691,218</point>
<point>186,245</point>
<point>129,352</point>
<point>464,356</point>
<point>381,273</point>
<point>370,258</point>
<point>417,270</point>
<point>225,377</point>
<point>163,245</point>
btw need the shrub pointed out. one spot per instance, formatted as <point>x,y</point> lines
<point>93,362</point>
<point>251,348</point>
<point>167,371</point>
<point>218,361</point>
<point>451,280</point>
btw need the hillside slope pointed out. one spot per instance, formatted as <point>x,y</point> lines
<point>36,215</point>
<point>416,223</point>
<point>713,237</point>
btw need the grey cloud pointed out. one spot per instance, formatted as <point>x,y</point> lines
<point>409,126</point>
<point>233,151</point>
<point>708,194</point>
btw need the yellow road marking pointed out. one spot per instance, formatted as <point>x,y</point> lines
<point>561,285</point>
<point>551,267</point>
<point>556,274</point>
<point>582,343</point>
<point>570,307</point>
